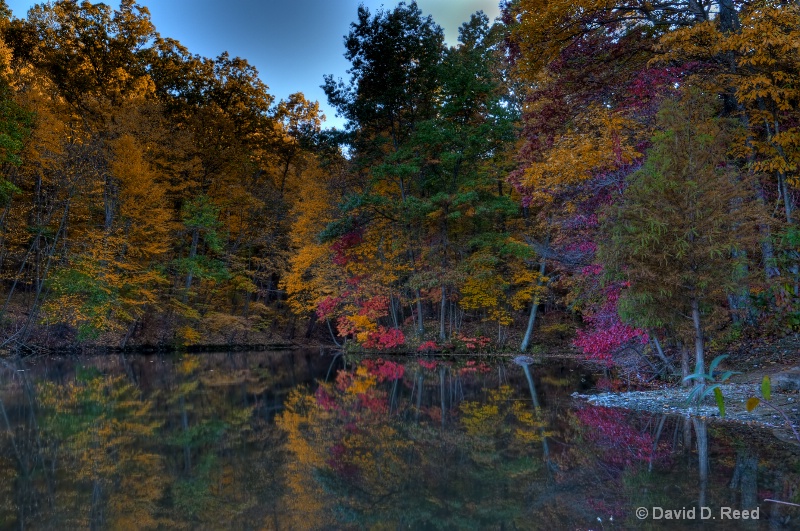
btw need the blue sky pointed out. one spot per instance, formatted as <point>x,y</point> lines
<point>292,43</point>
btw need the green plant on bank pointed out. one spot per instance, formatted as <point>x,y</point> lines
<point>766,395</point>
<point>701,391</point>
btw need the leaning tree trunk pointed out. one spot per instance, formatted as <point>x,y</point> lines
<point>526,341</point>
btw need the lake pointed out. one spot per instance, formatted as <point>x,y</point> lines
<point>309,440</point>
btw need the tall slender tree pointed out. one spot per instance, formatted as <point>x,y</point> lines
<point>678,237</point>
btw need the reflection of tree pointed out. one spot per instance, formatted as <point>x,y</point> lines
<point>496,450</point>
<point>745,478</point>
<point>499,428</point>
<point>342,440</point>
<point>620,442</point>
<point>8,481</point>
<point>69,448</point>
<point>102,427</point>
<point>26,477</point>
<point>701,431</point>
<point>207,421</point>
<point>614,448</point>
<point>354,458</point>
<point>305,499</point>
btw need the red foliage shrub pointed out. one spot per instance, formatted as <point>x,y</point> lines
<point>606,333</point>
<point>385,338</point>
<point>427,346</point>
<point>474,343</point>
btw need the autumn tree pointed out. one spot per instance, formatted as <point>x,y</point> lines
<point>686,224</point>
<point>15,129</point>
<point>116,278</point>
<point>313,275</point>
<point>395,57</point>
<point>15,123</point>
<point>462,204</point>
<point>756,78</point>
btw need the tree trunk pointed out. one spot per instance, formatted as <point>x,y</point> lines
<point>312,324</point>
<point>684,364</point>
<point>698,339</point>
<point>192,255</point>
<point>393,307</point>
<point>420,321</point>
<point>109,193</point>
<point>534,309</point>
<point>443,315</point>
<point>788,206</point>
<point>128,334</point>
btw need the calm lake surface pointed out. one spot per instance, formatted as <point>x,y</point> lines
<point>298,440</point>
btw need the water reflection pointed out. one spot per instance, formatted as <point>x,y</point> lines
<point>285,441</point>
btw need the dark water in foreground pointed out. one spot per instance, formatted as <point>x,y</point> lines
<point>260,441</point>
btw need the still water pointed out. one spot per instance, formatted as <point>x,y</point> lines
<point>300,440</point>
